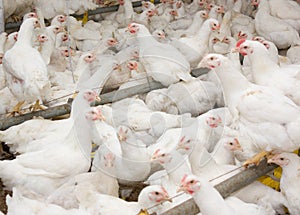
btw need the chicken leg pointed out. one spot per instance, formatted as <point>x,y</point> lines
<point>16,109</point>
<point>37,106</point>
<point>16,18</point>
<point>256,159</point>
<point>143,212</point>
<point>74,95</point>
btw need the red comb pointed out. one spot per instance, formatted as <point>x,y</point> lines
<point>240,42</point>
<point>156,151</point>
<point>183,179</point>
<point>164,190</point>
<point>182,139</point>
<point>109,156</point>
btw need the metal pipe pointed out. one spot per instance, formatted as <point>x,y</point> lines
<point>226,188</point>
<point>51,112</point>
<point>117,95</point>
<point>2,20</point>
<point>98,10</point>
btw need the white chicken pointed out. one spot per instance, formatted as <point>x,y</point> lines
<point>20,136</point>
<point>196,46</point>
<point>293,54</point>
<point>27,81</point>
<point>289,181</point>
<point>202,191</point>
<point>96,203</point>
<point>16,9</point>
<point>240,95</point>
<point>132,165</point>
<point>18,204</point>
<point>268,73</point>
<point>52,8</point>
<point>194,97</point>
<point>39,170</point>
<point>156,57</point>
<point>65,195</point>
<point>273,28</point>
<point>198,20</point>
<point>288,11</point>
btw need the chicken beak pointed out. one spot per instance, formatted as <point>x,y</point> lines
<point>202,64</point>
<point>271,158</point>
<point>181,189</point>
<point>178,147</point>
<point>239,147</point>
<point>37,25</point>
<point>101,117</point>
<point>168,199</point>
<point>97,98</point>
<point>235,50</point>
<point>153,158</point>
<point>121,138</point>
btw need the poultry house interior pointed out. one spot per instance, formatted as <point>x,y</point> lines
<point>150,107</point>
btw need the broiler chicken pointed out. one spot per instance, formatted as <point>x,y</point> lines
<point>156,57</point>
<point>288,11</point>
<point>268,73</point>
<point>207,197</point>
<point>250,106</point>
<point>196,46</point>
<point>273,28</point>
<point>26,71</point>
<point>289,181</point>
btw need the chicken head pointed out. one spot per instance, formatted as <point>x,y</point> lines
<point>161,156</point>
<point>158,194</point>
<point>210,61</point>
<point>189,184</point>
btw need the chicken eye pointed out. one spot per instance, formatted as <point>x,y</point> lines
<point>213,118</point>
<point>211,58</point>
<point>245,47</point>
<point>163,155</point>
<point>231,143</point>
<point>192,181</point>
<point>156,193</point>
<point>281,159</point>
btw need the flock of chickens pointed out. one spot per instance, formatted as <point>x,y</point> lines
<point>178,139</point>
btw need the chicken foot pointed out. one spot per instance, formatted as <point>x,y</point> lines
<point>256,159</point>
<point>16,109</point>
<point>37,106</point>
